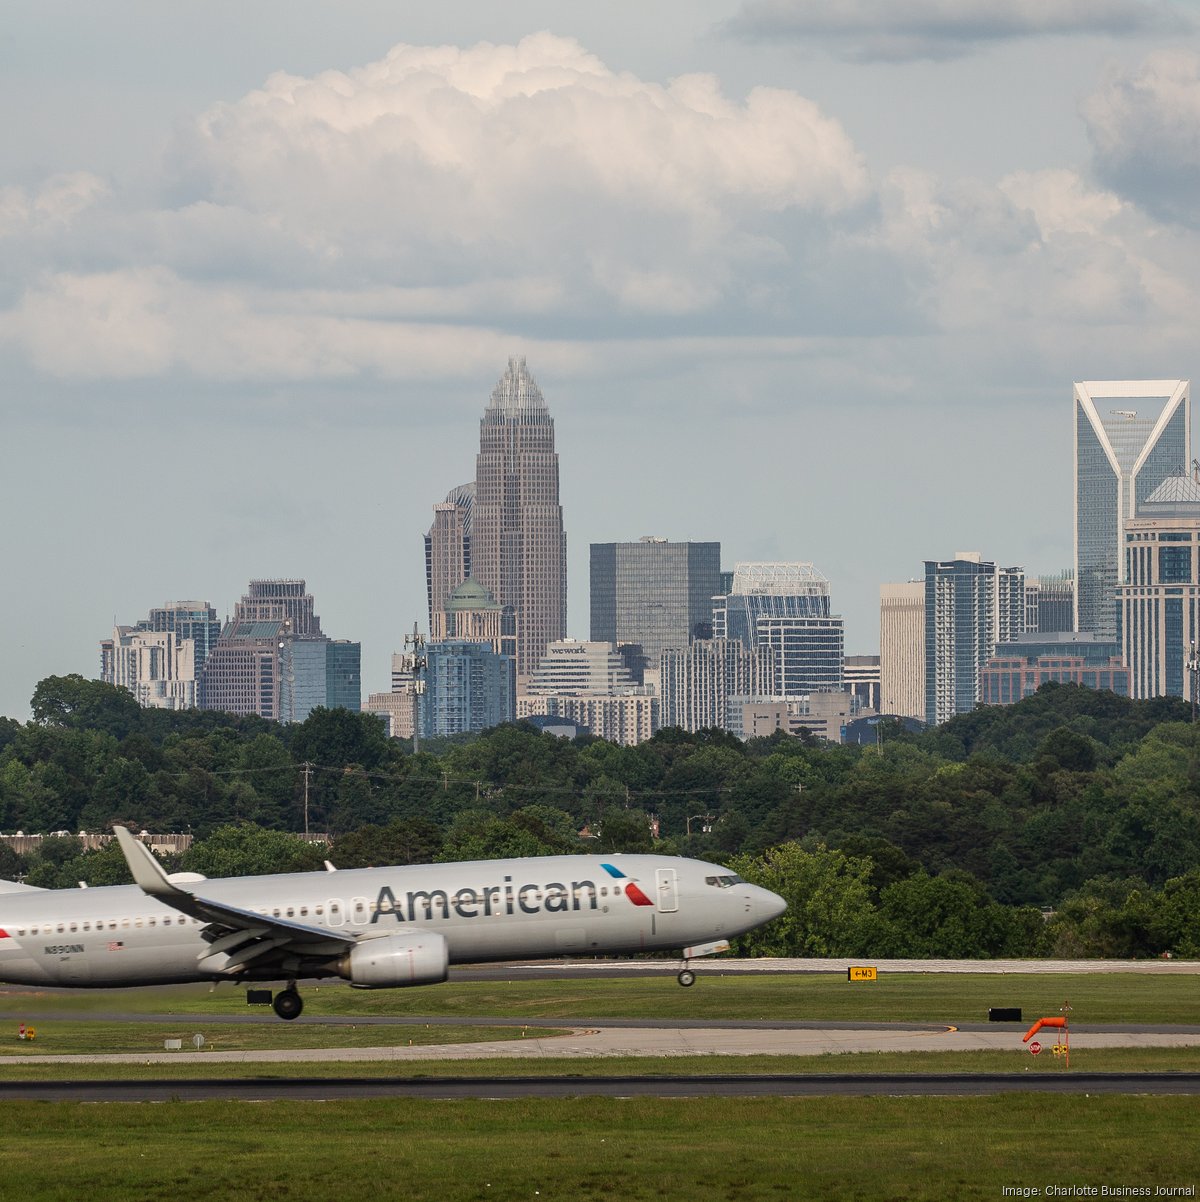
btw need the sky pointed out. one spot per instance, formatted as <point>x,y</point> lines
<point>811,278</point>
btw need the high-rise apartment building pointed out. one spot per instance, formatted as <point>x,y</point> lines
<point>1130,435</point>
<point>653,593</point>
<point>902,649</point>
<point>448,548</point>
<point>1160,599</point>
<point>156,666</point>
<point>960,632</point>
<point>159,660</point>
<point>468,688</point>
<point>272,658</point>
<point>194,620</point>
<point>1010,604</point>
<point>518,548</point>
<point>699,680</point>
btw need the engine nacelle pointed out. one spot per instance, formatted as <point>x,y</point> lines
<point>392,961</point>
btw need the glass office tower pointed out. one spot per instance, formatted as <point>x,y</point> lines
<point>1130,435</point>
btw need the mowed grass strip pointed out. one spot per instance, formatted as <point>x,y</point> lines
<point>73,1037</point>
<point>824,997</point>
<point>192,1065</point>
<point>593,1148</point>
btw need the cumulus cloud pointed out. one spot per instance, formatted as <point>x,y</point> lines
<point>935,29</point>
<point>1144,126</point>
<point>424,215</point>
<point>53,206</point>
<point>493,184</point>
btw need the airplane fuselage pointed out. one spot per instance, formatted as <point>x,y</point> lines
<point>486,910</point>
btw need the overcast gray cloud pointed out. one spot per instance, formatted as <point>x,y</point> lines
<point>937,29</point>
<point>1144,124</point>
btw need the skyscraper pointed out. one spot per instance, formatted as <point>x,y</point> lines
<point>518,548</point>
<point>902,649</point>
<point>785,607</point>
<point>272,658</point>
<point>448,548</point>
<point>960,632</point>
<point>468,687</point>
<point>1130,435</point>
<point>1050,603</point>
<point>1160,600</point>
<point>159,660</point>
<point>653,593</point>
<point>590,684</point>
<point>699,680</point>
<point>776,590</point>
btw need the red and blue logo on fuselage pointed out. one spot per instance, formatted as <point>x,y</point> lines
<point>632,892</point>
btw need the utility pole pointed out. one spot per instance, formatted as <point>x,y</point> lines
<point>307,773</point>
<point>416,663</point>
<point>1193,667</point>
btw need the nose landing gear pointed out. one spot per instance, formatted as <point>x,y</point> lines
<point>686,977</point>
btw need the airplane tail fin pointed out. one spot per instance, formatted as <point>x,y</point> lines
<point>17,887</point>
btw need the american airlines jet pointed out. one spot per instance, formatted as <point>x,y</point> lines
<point>376,927</point>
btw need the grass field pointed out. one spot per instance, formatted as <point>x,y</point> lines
<point>190,1065</point>
<point>750,1149</point>
<point>590,1148</point>
<point>907,997</point>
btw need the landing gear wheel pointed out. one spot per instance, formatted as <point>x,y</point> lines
<point>686,977</point>
<point>288,1004</point>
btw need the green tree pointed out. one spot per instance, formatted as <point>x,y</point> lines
<point>402,841</point>
<point>85,705</point>
<point>625,831</point>
<point>249,850</point>
<point>337,738</point>
<point>478,835</point>
<point>829,902</point>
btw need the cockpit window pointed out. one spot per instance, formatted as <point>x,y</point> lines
<point>723,882</point>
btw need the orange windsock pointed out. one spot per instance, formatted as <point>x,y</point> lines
<point>1056,1021</point>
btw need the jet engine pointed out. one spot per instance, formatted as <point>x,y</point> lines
<point>392,961</point>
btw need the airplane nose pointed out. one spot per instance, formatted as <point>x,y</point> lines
<point>767,904</point>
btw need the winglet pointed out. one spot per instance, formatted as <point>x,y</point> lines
<point>147,871</point>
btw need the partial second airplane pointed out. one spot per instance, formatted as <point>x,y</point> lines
<point>378,928</point>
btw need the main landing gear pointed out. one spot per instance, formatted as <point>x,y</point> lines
<point>686,977</point>
<point>288,1003</point>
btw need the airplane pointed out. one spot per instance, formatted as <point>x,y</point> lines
<point>375,927</point>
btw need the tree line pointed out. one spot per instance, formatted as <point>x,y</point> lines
<point>954,841</point>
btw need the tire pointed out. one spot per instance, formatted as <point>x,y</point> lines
<point>288,1004</point>
<point>686,977</point>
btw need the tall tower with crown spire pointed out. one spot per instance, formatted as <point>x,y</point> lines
<point>518,549</point>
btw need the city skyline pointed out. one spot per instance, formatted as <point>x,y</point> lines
<point>816,290</point>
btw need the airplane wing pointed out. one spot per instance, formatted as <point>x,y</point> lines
<point>238,938</point>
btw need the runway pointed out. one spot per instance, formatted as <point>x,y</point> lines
<point>608,1038</point>
<point>599,1039</point>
